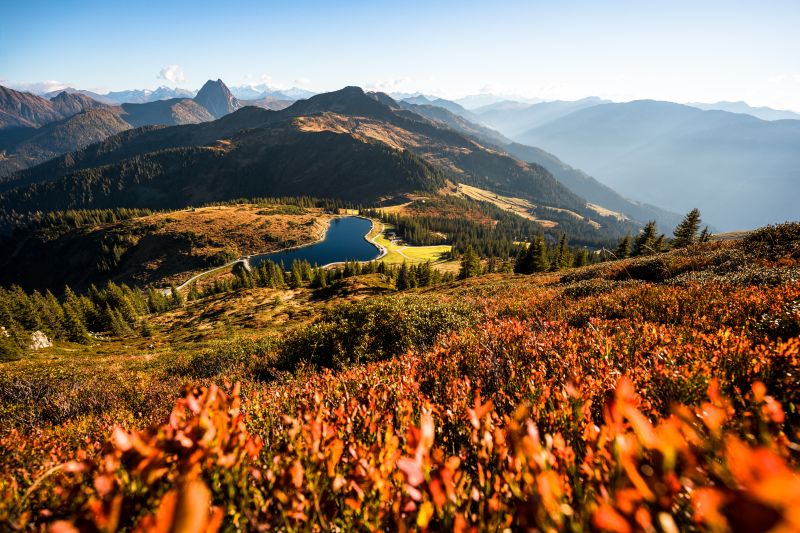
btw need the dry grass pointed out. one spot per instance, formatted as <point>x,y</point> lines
<point>518,206</point>
<point>236,231</point>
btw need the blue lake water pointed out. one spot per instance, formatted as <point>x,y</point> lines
<point>344,241</point>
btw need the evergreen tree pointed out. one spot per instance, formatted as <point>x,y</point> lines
<point>194,294</point>
<point>705,235</point>
<point>10,350</point>
<point>404,278</point>
<point>74,325</point>
<point>582,257</point>
<point>523,263</point>
<point>686,232</point>
<point>539,261</point>
<point>145,329</point>
<point>116,322</point>
<point>624,248</point>
<point>645,242</point>
<point>563,255</point>
<point>296,275</point>
<point>175,297</point>
<point>470,264</point>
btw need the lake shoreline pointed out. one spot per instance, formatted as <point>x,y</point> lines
<point>382,251</point>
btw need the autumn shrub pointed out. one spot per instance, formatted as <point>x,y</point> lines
<point>373,330</point>
<point>230,358</point>
<point>775,243</point>
<point>592,287</point>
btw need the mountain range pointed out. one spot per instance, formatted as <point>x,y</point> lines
<point>34,129</point>
<point>264,91</point>
<point>738,164</point>
<point>345,144</point>
<point>574,179</point>
<point>764,113</point>
<point>741,171</point>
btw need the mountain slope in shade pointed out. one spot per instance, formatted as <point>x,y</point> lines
<point>575,180</point>
<point>68,104</point>
<point>740,171</point>
<point>217,99</point>
<point>764,113</point>
<point>31,146</point>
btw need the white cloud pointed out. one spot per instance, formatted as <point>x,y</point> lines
<point>172,73</point>
<point>39,87</point>
<point>300,82</point>
<point>390,86</point>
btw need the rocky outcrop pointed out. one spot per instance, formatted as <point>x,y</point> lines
<point>39,341</point>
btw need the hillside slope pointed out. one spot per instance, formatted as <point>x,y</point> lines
<point>156,248</point>
<point>26,147</point>
<point>575,180</point>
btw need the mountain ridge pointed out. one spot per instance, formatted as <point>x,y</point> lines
<point>331,144</point>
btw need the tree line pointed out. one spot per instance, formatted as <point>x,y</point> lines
<point>118,309</point>
<point>650,241</point>
<point>499,239</point>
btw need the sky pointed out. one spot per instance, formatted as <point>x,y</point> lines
<point>677,50</point>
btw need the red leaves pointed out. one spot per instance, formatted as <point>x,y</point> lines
<point>186,509</point>
<point>620,424</point>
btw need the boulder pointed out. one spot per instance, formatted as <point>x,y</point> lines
<point>39,340</point>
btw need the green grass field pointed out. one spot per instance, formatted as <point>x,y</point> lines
<point>397,254</point>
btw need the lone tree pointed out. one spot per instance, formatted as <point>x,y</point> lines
<point>687,231</point>
<point>470,264</point>
<point>647,242</point>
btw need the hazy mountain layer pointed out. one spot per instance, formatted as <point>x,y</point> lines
<point>740,171</point>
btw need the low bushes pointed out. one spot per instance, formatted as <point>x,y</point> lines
<point>373,330</point>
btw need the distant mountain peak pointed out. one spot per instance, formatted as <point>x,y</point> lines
<point>217,98</point>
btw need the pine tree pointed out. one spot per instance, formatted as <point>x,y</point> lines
<point>524,261</point>
<point>470,264</point>
<point>646,240</point>
<point>296,275</point>
<point>194,294</point>
<point>10,350</point>
<point>74,325</point>
<point>705,235</point>
<point>403,278</point>
<point>582,257</point>
<point>117,324</point>
<point>175,297</point>
<point>144,329</point>
<point>624,248</point>
<point>539,260</point>
<point>686,232</point>
<point>563,256</point>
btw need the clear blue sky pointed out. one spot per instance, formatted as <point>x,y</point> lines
<point>620,49</point>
